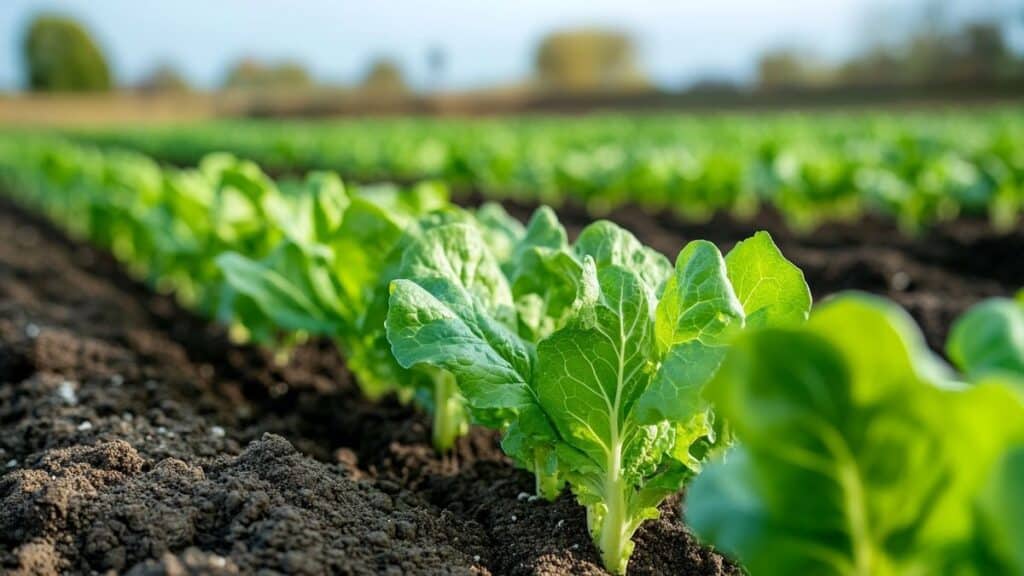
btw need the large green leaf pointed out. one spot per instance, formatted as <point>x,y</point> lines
<point>453,310</point>
<point>611,245</point>
<point>771,290</point>
<point>856,457</point>
<point>592,371</point>
<point>1001,508</point>
<point>286,303</point>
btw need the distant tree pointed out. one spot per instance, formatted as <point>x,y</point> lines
<point>985,54</point>
<point>975,53</point>
<point>164,78</point>
<point>879,66</point>
<point>60,56</point>
<point>588,60</point>
<point>385,78</point>
<point>787,67</point>
<point>251,74</point>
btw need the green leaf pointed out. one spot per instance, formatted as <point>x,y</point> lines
<point>592,371</point>
<point>610,245</point>
<point>1001,507</point>
<point>699,302</point>
<point>676,393</point>
<point>704,305</point>
<point>589,375</point>
<point>855,458</point>
<point>491,364</point>
<point>453,310</point>
<point>543,273</point>
<point>281,300</point>
<point>989,338</point>
<point>501,232</point>
<point>771,290</point>
<point>458,254</point>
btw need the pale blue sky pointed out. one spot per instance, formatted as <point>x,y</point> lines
<point>485,42</point>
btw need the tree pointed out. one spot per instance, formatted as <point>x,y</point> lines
<point>252,74</point>
<point>385,78</point>
<point>588,60</point>
<point>164,78</point>
<point>60,56</point>
<point>789,67</point>
<point>986,55</point>
<point>880,65</point>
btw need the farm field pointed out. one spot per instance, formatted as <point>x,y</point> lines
<point>219,365</point>
<point>914,166</point>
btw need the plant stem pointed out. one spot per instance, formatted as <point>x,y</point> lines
<point>613,536</point>
<point>548,484</point>
<point>449,414</point>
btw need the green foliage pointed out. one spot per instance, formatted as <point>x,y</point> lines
<point>858,452</point>
<point>989,338</point>
<point>61,56</point>
<point>918,168</point>
<point>591,357</point>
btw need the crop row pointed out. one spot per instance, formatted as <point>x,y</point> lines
<point>918,168</point>
<point>829,441</point>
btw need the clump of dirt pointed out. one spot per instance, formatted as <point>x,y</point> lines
<point>102,507</point>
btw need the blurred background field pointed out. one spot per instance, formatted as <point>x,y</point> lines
<point>77,62</point>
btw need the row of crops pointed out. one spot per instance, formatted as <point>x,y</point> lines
<point>824,441</point>
<point>918,168</point>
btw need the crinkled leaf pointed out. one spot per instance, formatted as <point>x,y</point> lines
<point>492,365</point>
<point>611,245</point>
<point>592,371</point>
<point>771,290</point>
<point>501,232</point>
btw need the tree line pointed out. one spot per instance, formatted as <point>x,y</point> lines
<point>60,55</point>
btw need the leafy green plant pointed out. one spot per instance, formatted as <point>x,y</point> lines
<point>328,274</point>
<point>609,398</point>
<point>918,169</point>
<point>330,277</point>
<point>859,452</point>
<point>989,338</point>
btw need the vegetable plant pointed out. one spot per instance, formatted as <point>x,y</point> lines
<point>989,338</point>
<point>861,453</point>
<point>609,398</point>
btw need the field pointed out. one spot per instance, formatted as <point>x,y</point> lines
<point>220,366</point>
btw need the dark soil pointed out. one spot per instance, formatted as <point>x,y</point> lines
<point>136,438</point>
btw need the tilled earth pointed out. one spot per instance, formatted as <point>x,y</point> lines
<point>136,438</point>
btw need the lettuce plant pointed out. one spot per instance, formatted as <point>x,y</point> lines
<point>860,453</point>
<point>330,277</point>
<point>989,338</point>
<point>329,273</point>
<point>609,398</point>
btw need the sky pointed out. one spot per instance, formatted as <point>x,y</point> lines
<point>485,42</point>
